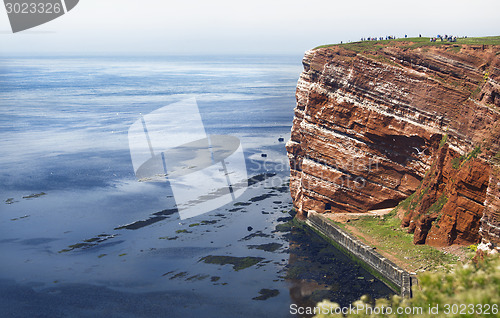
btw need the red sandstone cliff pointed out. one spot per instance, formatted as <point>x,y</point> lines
<point>375,123</point>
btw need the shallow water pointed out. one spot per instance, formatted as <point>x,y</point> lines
<point>81,237</point>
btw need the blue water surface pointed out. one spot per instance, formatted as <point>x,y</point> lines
<point>81,237</point>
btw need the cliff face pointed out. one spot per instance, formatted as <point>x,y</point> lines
<point>375,124</point>
<point>448,204</point>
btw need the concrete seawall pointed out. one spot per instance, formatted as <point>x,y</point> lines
<point>381,265</point>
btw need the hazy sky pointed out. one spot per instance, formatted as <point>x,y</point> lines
<point>230,26</point>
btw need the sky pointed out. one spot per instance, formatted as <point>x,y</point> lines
<point>242,27</point>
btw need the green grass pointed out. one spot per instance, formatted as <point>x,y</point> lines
<point>383,59</point>
<point>438,205</point>
<point>405,204</point>
<point>443,141</point>
<point>437,220</point>
<point>474,153</point>
<point>414,43</point>
<point>410,203</point>
<point>489,40</point>
<point>455,163</point>
<point>455,48</point>
<point>458,162</point>
<point>397,242</point>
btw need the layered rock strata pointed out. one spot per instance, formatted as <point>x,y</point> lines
<point>371,121</point>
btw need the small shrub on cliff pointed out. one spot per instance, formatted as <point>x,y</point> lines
<point>467,290</point>
<point>443,141</point>
<point>438,205</point>
<point>456,163</point>
<point>497,157</point>
<point>474,153</point>
<point>472,247</point>
<point>436,222</point>
<point>455,48</point>
<point>405,204</point>
<point>486,76</point>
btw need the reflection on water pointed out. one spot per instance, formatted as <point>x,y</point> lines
<point>319,271</point>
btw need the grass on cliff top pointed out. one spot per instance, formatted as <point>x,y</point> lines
<point>386,235</point>
<point>412,43</point>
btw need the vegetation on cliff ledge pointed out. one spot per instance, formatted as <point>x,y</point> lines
<point>459,161</point>
<point>395,243</point>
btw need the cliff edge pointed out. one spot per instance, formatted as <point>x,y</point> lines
<point>404,122</point>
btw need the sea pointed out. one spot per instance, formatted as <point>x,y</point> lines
<point>82,236</point>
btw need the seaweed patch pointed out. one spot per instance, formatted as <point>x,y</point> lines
<point>238,263</point>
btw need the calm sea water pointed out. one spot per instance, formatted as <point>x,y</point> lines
<point>81,237</point>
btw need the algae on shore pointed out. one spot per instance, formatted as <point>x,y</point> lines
<point>269,247</point>
<point>266,294</point>
<point>88,243</point>
<point>255,234</point>
<point>237,262</point>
